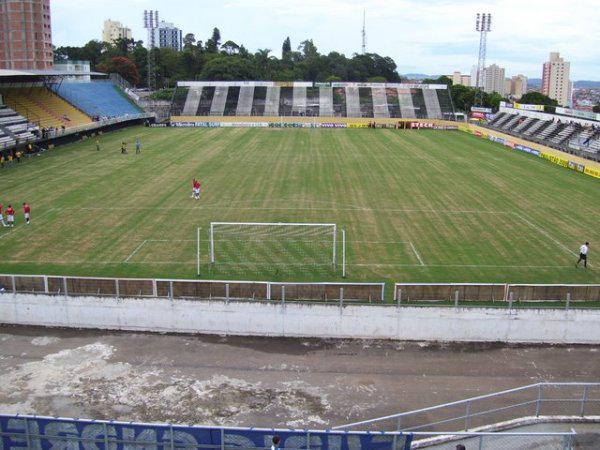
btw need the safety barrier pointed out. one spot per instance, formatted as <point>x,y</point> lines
<point>191,289</point>
<point>495,292</point>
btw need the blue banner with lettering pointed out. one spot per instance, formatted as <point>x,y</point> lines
<point>43,433</point>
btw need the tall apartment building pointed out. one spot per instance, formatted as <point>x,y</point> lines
<point>25,35</point>
<point>556,82</point>
<point>493,79</point>
<point>167,35</point>
<point>114,30</point>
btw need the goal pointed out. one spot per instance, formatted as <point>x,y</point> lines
<point>273,244</point>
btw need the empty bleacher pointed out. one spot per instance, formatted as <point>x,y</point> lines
<point>303,99</point>
<point>564,134</point>
<point>43,107</point>
<point>97,99</point>
<point>14,128</point>
<point>524,124</point>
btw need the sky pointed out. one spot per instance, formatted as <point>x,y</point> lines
<point>431,36</point>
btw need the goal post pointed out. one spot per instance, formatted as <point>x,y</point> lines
<point>277,243</point>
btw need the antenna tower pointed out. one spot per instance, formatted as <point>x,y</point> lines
<point>364,33</point>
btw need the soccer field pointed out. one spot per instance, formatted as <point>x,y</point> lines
<point>417,206</point>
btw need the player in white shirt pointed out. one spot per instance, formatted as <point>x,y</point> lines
<point>583,252</point>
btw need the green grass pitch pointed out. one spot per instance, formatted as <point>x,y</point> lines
<point>417,206</point>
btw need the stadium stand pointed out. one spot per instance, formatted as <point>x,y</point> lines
<point>43,107</point>
<point>270,99</point>
<point>96,99</point>
<point>14,128</point>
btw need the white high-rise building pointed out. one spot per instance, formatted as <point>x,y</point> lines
<point>494,79</point>
<point>556,82</point>
<point>114,30</point>
<point>167,35</point>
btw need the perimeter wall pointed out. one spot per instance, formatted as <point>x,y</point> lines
<point>255,318</point>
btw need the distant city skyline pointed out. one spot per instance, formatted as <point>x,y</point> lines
<point>434,38</point>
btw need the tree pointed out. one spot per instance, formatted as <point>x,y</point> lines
<point>124,67</point>
<point>213,44</point>
<point>286,48</point>
<point>537,98</point>
<point>377,79</point>
<point>189,40</point>
<point>230,47</point>
<point>229,68</point>
<point>596,108</point>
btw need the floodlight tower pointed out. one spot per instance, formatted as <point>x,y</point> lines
<point>151,24</point>
<point>364,33</point>
<point>483,25</point>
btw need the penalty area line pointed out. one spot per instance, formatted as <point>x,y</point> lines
<point>416,253</point>
<point>135,251</point>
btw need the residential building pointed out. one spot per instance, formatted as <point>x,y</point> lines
<point>517,86</point>
<point>114,30</point>
<point>494,79</point>
<point>74,67</point>
<point>167,35</point>
<point>25,35</point>
<point>556,82</point>
<point>459,78</point>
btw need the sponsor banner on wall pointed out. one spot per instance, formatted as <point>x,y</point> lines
<point>421,125</point>
<point>592,172</point>
<point>479,109</point>
<point>45,433</point>
<point>555,159</point>
<point>245,124</point>
<point>358,125</point>
<point>576,166</point>
<point>334,125</point>
<point>526,107</point>
<point>523,148</point>
<point>576,113</point>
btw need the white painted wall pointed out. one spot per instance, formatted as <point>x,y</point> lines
<point>303,320</point>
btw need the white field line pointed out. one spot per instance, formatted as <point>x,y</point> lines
<point>135,251</point>
<point>546,234</point>
<point>288,265</point>
<point>416,253</point>
<point>24,226</point>
<point>261,208</point>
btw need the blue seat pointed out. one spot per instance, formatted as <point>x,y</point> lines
<point>96,99</point>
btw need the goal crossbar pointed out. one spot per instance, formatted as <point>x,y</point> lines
<point>333,227</point>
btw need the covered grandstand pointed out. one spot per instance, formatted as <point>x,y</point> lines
<point>37,105</point>
<point>307,99</point>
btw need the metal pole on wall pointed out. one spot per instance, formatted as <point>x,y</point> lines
<point>198,251</point>
<point>344,253</point>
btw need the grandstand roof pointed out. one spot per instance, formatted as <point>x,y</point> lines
<point>5,73</point>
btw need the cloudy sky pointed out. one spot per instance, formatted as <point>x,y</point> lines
<point>431,36</point>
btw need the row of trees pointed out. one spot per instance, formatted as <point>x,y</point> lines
<point>217,60</point>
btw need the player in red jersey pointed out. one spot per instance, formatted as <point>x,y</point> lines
<point>1,216</point>
<point>26,212</point>
<point>197,187</point>
<point>10,216</point>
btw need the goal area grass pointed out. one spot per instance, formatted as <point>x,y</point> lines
<point>416,206</point>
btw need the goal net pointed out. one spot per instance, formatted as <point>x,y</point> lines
<point>273,244</point>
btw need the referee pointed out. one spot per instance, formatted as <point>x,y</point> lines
<point>583,252</point>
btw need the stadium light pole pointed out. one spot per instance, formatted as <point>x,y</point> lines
<point>483,24</point>
<point>151,24</point>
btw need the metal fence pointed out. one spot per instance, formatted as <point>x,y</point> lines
<point>192,289</point>
<point>496,292</point>
<point>18,432</point>
<point>536,400</point>
<point>501,441</point>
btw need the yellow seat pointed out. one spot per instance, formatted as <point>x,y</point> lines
<point>44,107</point>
